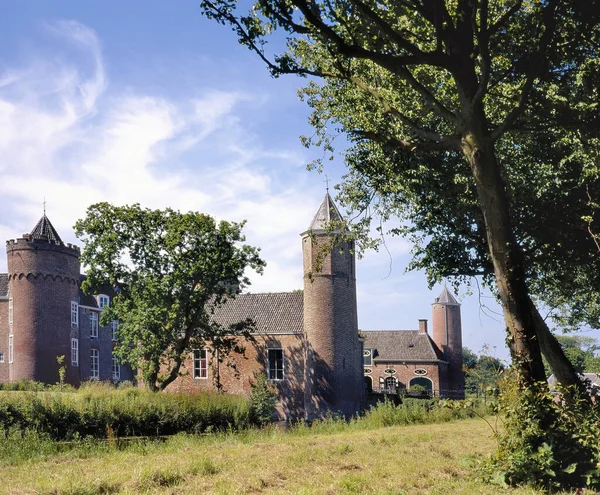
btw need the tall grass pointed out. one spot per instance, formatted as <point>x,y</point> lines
<point>101,411</point>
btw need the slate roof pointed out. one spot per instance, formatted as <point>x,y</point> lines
<point>3,284</point>
<point>275,312</point>
<point>401,345</point>
<point>44,230</point>
<point>327,216</point>
<point>447,298</point>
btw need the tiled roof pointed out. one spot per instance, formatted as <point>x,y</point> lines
<point>447,298</point>
<point>401,345</point>
<point>274,312</point>
<point>44,230</point>
<point>3,284</point>
<point>327,217</point>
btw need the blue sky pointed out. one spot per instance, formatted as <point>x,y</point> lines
<point>150,102</point>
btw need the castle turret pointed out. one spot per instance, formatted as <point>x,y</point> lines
<point>43,281</point>
<point>334,372</point>
<point>447,334</point>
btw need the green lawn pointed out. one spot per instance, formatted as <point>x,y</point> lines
<point>416,459</point>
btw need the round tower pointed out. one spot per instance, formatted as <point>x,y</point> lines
<point>333,369</point>
<point>43,280</point>
<point>447,334</point>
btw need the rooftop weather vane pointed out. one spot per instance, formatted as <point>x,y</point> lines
<point>326,182</point>
<point>44,205</point>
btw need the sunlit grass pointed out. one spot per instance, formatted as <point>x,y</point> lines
<point>437,458</point>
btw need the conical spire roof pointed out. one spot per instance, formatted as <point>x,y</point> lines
<point>45,231</point>
<point>327,217</point>
<point>447,298</point>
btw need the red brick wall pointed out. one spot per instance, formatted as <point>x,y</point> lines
<point>4,340</point>
<point>43,280</point>
<point>238,371</point>
<point>447,334</point>
<point>405,373</point>
<point>334,354</point>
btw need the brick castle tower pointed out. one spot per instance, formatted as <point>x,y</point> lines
<point>43,280</point>
<point>447,334</point>
<point>333,366</point>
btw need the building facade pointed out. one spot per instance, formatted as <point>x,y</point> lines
<point>306,342</point>
<point>44,315</point>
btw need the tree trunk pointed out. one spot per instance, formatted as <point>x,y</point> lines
<point>519,311</point>
<point>528,331</point>
<point>561,367</point>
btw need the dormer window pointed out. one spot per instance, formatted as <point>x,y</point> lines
<point>103,301</point>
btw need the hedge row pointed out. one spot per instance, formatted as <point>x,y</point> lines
<point>102,412</point>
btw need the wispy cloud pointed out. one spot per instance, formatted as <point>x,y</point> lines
<point>65,135</point>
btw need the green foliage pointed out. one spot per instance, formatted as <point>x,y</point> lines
<point>62,371</point>
<point>172,270</point>
<point>546,441</point>
<point>101,411</point>
<point>263,400</point>
<point>581,351</point>
<point>481,373</point>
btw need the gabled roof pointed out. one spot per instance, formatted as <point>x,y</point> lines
<point>44,230</point>
<point>447,298</point>
<point>326,218</point>
<point>401,345</point>
<point>3,284</point>
<point>276,312</point>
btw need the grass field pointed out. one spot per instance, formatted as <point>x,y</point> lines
<point>415,459</point>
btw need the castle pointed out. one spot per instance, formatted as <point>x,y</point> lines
<point>306,342</point>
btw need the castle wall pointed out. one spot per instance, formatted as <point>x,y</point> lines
<point>405,372</point>
<point>334,380</point>
<point>447,334</point>
<point>238,371</point>
<point>43,280</point>
<point>4,339</point>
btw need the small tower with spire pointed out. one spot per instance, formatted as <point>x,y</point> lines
<point>43,281</point>
<point>447,334</point>
<point>333,361</point>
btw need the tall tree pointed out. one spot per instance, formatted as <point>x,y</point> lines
<point>449,100</point>
<point>172,270</point>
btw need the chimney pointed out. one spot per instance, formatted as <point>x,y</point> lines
<point>423,326</point>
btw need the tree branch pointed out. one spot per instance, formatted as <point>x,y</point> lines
<point>535,65</point>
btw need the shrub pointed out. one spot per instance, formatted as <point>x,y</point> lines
<point>100,411</point>
<point>262,400</point>
<point>546,441</point>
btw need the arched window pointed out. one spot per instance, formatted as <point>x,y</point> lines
<point>389,385</point>
<point>369,384</point>
<point>421,385</point>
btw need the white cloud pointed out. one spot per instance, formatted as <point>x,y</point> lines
<point>68,137</point>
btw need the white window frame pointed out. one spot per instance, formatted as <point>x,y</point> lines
<point>114,326</point>
<point>74,314</point>
<point>94,364</point>
<point>200,358</point>
<point>93,325</point>
<point>11,311</point>
<point>103,301</point>
<point>116,369</point>
<point>11,350</point>
<point>75,353</point>
<point>1,357</point>
<point>275,369</point>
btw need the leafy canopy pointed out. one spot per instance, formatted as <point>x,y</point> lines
<point>408,82</point>
<point>171,271</point>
